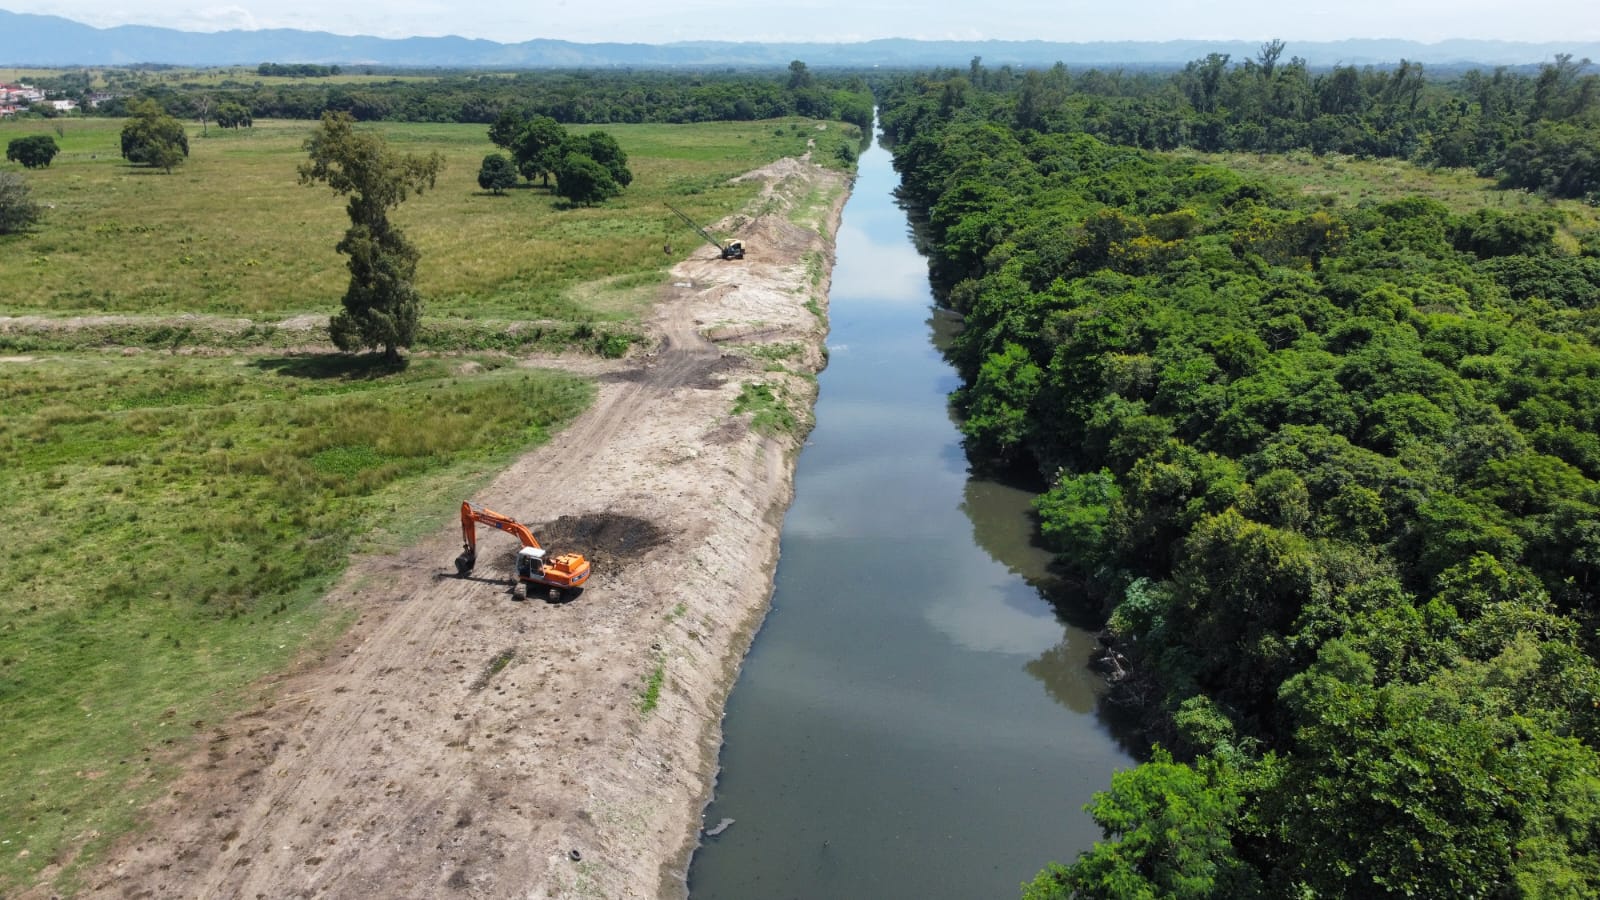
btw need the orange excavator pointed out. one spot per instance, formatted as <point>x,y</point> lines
<point>563,571</point>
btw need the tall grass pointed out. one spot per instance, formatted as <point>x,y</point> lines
<point>232,232</point>
<point>1349,181</point>
<point>170,526</point>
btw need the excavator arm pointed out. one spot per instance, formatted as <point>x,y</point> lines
<point>470,517</point>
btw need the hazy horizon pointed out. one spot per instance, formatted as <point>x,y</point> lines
<point>831,21</point>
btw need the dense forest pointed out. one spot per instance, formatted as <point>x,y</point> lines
<point>1540,131</point>
<point>584,97</point>
<point>1334,470</point>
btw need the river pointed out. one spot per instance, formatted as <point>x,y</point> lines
<point>914,719</point>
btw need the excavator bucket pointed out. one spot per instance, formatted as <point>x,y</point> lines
<point>467,559</point>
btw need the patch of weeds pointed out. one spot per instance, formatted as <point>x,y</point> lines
<point>814,268</point>
<point>495,666</point>
<point>614,346</point>
<point>677,612</point>
<point>774,352</point>
<point>652,687</point>
<point>769,409</point>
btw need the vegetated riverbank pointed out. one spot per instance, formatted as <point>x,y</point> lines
<point>455,740</point>
<point>1333,468</point>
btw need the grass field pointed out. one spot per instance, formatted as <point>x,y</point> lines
<point>172,520</point>
<point>232,232</point>
<point>171,524</point>
<point>1348,181</point>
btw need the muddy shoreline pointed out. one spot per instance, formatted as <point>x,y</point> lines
<point>455,743</point>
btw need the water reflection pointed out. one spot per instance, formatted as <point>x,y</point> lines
<point>915,719</point>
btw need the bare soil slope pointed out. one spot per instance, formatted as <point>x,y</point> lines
<point>457,743</point>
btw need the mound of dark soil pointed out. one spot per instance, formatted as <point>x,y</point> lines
<point>605,538</point>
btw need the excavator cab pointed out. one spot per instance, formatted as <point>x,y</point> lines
<point>530,564</point>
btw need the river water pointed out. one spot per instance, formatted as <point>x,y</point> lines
<point>915,719</point>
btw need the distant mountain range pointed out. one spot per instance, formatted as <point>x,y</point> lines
<point>33,40</point>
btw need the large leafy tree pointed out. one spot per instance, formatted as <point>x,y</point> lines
<point>603,149</point>
<point>539,147</point>
<point>34,151</point>
<point>234,115</point>
<point>17,209</point>
<point>503,133</point>
<point>584,181</point>
<point>497,173</point>
<point>381,305</point>
<point>152,138</point>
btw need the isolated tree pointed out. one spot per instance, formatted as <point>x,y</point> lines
<point>1267,58</point>
<point>233,115</point>
<point>34,151</point>
<point>584,181</point>
<point>153,138</point>
<point>17,209</point>
<point>203,111</point>
<point>799,75</point>
<point>381,305</point>
<point>539,148</point>
<point>497,173</point>
<point>603,149</point>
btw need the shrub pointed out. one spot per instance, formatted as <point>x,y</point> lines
<point>17,209</point>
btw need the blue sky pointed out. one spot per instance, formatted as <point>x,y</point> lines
<point>838,20</point>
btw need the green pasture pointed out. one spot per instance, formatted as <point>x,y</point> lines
<point>1348,181</point>
<point>172,522</point>
<point>231,232</point>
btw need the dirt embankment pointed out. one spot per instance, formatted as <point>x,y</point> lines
<point>456,743</point>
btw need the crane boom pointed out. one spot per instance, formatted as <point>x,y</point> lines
<point>730,250</point>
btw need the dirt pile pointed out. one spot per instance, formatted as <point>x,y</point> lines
<point>607,539</point>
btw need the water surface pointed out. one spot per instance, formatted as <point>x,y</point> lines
<point>914,719</point>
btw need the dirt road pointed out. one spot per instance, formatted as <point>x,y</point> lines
<point>457,743</point>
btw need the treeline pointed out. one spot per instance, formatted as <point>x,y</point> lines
<point>1540,132</point>
<point>586,97</point>
<point>1333,471</point>
<point>297,70</point>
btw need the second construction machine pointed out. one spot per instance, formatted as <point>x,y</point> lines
<point>535,567</point>
<point>730,250</point>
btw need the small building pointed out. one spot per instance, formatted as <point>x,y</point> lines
<point>63,105</point>
<point>15,94</point>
